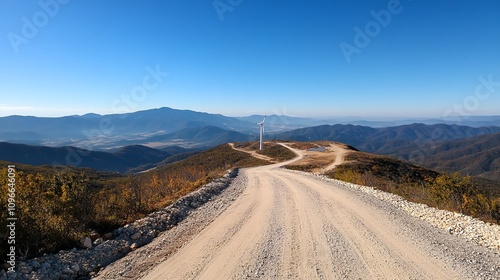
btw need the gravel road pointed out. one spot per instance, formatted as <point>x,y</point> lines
<point>288,225</point>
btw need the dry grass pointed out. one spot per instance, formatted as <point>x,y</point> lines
<point>303,145</point>
<point>277,152</point>
<point>271,150</point>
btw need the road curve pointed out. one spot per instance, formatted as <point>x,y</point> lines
<point>287,225</point>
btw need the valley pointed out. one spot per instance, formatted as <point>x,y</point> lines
<point>423,142</point>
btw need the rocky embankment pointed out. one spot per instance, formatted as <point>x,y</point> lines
<point>472,229</point>
<point>96,254</point>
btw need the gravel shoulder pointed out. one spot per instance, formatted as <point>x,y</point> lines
<point>138,263</point>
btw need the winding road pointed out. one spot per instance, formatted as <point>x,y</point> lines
<point>287,225</point>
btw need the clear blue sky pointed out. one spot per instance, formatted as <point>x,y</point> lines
<point>247,57</point>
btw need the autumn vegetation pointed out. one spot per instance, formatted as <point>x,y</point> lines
<point>57,206</point>
<point>463,194</point>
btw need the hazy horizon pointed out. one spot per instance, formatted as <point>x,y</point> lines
<point>316,118</point>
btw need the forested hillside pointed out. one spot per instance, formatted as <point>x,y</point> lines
<point>476,156</point>
<point>58,206</point>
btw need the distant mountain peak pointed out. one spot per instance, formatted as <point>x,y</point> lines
<point>89,115</point>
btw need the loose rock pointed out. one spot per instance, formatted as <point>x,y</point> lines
<point>87,243</point>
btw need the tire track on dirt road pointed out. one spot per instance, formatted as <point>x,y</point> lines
<point>287,225</point>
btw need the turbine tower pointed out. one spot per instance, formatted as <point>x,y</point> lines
<point>261,124</point>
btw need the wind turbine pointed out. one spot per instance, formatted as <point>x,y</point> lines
<point>261,124</point>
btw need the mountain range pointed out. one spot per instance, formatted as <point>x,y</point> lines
<point>442,147</point>
<point>101,132</point>
<point>144,139</point>
<point>387,140</point>
<point>200,137</point>
<point>472,151</point>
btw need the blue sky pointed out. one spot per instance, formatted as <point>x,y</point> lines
<point>240,57</point>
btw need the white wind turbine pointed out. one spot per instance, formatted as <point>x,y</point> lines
<point>261,124</point>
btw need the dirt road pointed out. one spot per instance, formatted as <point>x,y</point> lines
<point>287,225</point>
<point>339,157</point>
